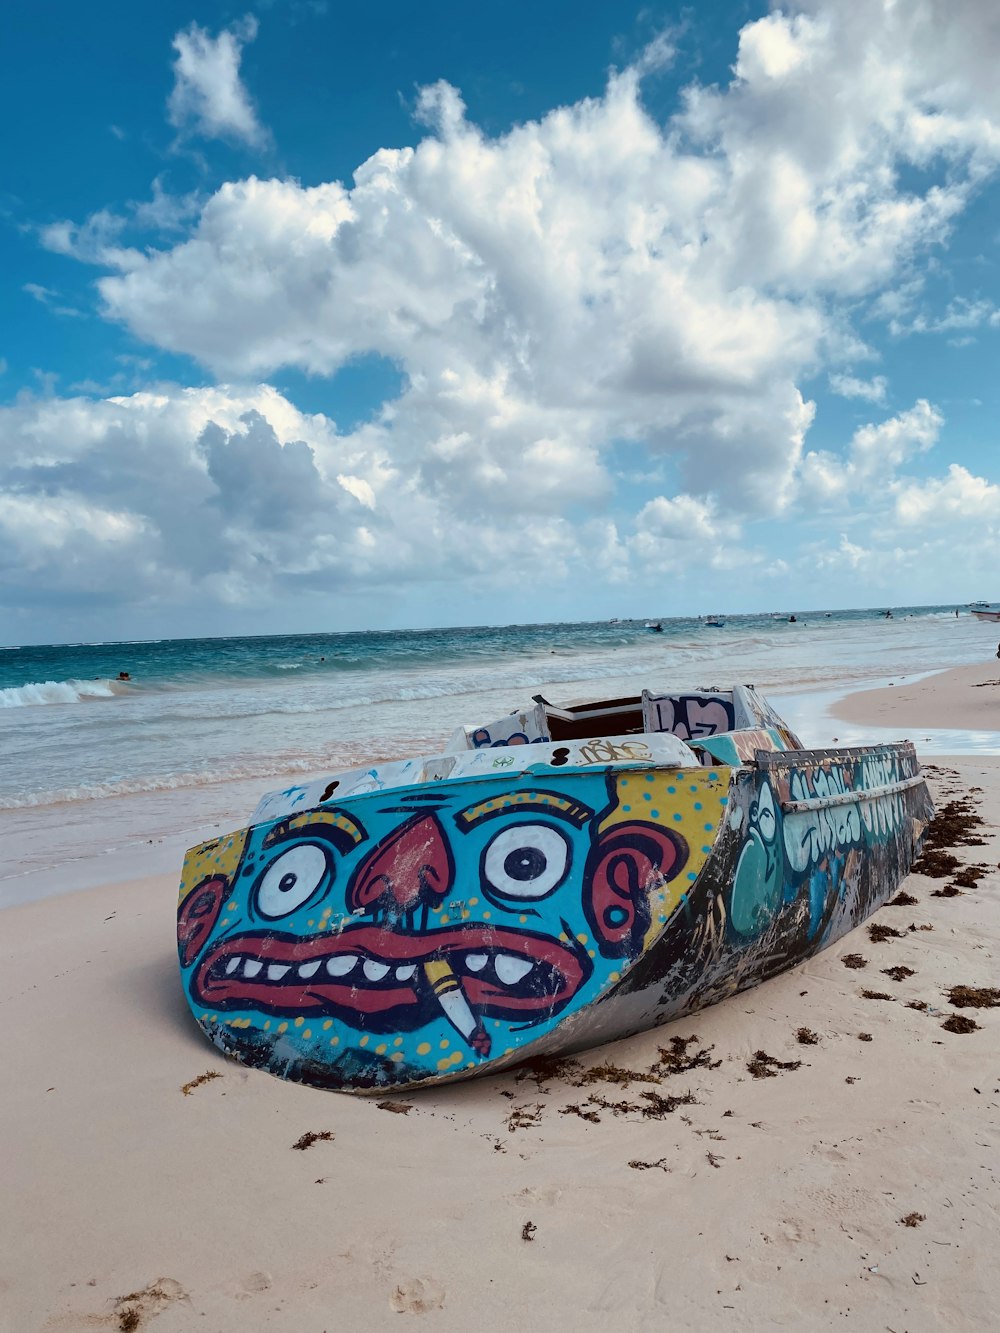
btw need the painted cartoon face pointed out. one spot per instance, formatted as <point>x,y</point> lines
<point>433,926</point>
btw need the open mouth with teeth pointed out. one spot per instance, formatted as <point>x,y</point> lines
<point>382,982</point>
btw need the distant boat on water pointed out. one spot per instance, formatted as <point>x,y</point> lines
<point>654,626</point>
<point>715,622</point>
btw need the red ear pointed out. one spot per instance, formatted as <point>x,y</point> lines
<point>197,915</point>
<point>625,863</point>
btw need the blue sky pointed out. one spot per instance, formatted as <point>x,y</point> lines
<point>321,316</point>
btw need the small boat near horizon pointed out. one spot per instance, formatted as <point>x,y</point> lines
<point>715,622</point>
<point>655,626</point>
<point>562,877</point>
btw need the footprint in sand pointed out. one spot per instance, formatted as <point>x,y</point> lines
<point>417,1295</point>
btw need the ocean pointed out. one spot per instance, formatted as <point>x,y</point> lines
<point>92,763</point>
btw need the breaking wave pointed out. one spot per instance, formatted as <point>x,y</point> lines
<point>57,692</point>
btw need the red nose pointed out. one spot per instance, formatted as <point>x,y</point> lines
<point>412,866</point>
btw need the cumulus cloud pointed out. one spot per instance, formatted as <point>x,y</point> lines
<point>876,453</point>
<point>208,97</point>
<point>587,280</point>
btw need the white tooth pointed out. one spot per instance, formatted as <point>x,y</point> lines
<point>275,971</point>
<point>404,973</point>
<point>340,964</point>
<point>510,969</point>
<point>309,969</point>
<point>233,964</point>
<point>251,967</point>
<point>475,962</point>
<point>375,971</point>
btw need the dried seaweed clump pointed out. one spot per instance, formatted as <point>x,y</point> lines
<point>854,960</point>
<point>974,997</point>
<point>876,995</point>
<point>188,1088</point>
<point>806,1036</point>
<point>766,1066</point>
<point>310,1137</point>
<point>959,1023</point>
<point>877,932</point>
<point>898,973</point>
<point>903,899</point>
<point>912,1219</point>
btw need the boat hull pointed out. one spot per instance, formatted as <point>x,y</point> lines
<point>455,927</point>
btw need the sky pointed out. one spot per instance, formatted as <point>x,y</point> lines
<point>321,316</point>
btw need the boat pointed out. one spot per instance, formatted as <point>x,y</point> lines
<point>715,622</point>
<point>987,615</point>
<point>562,877</point>
<point>654,625</point>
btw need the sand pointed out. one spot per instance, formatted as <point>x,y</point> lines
<point>147,1182</point>
<point>965,697</point>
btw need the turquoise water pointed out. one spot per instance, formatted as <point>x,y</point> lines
<point>201,711</point>
<point>102,779</point>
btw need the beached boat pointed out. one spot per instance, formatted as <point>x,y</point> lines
<point>557,879</point>
<point>987,615</point>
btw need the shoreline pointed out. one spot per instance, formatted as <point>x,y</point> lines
<point>948,699</point>
<point>81,845</point>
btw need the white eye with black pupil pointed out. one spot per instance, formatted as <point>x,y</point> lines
<point>292,879</point>
<point>527,861</point>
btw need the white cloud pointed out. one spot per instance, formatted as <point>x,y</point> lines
<point>875,455</point>
<point>848,386</point>
<point>957,500</point>
<point>208,97</point>
<point>587,280</point>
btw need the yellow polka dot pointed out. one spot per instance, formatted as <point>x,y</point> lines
<point>282,1027</point>
<point>615,976</point>
<point>224,922</point>
<point>522,919</point>
<point>397,1056</point>
<point>445,920</point>
<point>466,915</point>
<point>364,1040</point>
<point>397,1041</point>
<point>310,923</point>
<point>299,1021</point>
<point>215,1018</point>
<point>591,953</point>
<point>334,1041</point>
<point>230,907</point>
<point>307,1033</point>
<point>328,1025</point>
<point>381,1049</point>
<point>487,915</point>
<point>424,1048</point>
<point>563,936</point>
<point>444,1043</point>
<point>583,938</point>
<point>457,1057</point>
<point>444,1064</point>
<point>473,902</point>
<point>267,1025</point>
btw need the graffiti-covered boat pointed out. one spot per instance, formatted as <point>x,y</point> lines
<point>557,879</point>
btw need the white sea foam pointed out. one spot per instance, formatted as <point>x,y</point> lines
<point>56,692</point>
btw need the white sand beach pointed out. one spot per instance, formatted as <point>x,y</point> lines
<point>150,1183</point>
